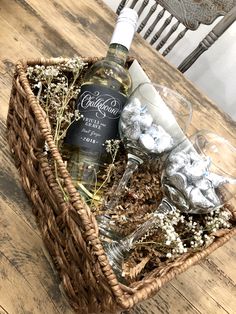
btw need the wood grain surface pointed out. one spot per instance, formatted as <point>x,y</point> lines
<point>28,283</point>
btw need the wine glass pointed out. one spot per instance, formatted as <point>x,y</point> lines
<point>198,176</point>
<point>153,121</point>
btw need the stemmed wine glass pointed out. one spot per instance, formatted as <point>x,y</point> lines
<point>153,121</point>
<point>198,176</point>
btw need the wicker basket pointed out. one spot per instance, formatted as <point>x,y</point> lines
<point>69,229</point>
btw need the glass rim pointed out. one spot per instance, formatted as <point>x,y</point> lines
<point>221,139</point>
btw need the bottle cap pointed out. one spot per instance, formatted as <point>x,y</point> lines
<point>130,15</point>
<point>125,28</point>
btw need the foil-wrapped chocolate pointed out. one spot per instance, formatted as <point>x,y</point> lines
<point>176,162</point>
<point>176,197</point>
<point>163,141</point>
<point>133,108</point>
<point>154,131</point>
<point>212,196</point>
<point>147,142</point>
<point>179,159</point>
<point>133,131</point>
<point>145,121</point>
<point>123,126</point>
<point>179,180</point>
<point>137,126</point>
<point>203,184</point>
<point>188,174</point>
<point>194,156</point>
<point>197,199</point>
<point>197,169</point>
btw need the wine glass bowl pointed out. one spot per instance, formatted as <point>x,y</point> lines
<point>223,162</point>
<point>200,175</point>
<point>220,150</point>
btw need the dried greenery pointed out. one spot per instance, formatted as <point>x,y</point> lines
<point>57,88</point>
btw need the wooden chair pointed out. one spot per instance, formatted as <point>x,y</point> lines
<point>188,13</point>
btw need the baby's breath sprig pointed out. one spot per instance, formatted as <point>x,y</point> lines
<point>178,233</point>
<point>56,88</point>
<point>112,148</point>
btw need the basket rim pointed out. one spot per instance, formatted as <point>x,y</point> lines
<point>126,297</point>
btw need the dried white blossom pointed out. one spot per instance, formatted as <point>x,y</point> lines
<point>112,147</point>
<point>199,232</point>
<point>56,89</point>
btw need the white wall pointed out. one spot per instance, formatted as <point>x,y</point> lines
<point>215,71</point>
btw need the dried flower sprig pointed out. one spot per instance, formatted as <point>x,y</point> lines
<point>112,147</point>
<point>57,88</point>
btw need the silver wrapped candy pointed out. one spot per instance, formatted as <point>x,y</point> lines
<point>176,197</point>
<point>188,190</point>
<point>176,162</point>
<point>163,141</point>
<point>145,121</point>
<point>133,131</point>
<point>188,174</point>
<point>137,126</point>
<point>123,126</point>
<point>179,159</point>
<point>212,197</point>
<point>193,156</point>
<point>179,181</point>
<point>154,131</point>
<point>197,199</point>
<point>133,108</point>
<point>203,184</point>
<point>147,142</point>
<point>198,169</point>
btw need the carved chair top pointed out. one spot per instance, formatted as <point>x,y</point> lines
<point>192,13</point>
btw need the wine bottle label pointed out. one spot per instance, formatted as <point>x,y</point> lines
<point>100,108</point>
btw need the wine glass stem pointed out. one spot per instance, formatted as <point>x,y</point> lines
<point>131,167</point>
<point>117,250</point>
<point>164,208</point>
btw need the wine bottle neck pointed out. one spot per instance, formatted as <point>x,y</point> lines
<point>117,53</point>
<point>125,28</point>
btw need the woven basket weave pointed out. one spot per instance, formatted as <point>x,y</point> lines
<point>69,229</point>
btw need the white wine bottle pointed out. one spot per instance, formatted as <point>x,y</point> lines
<point>104,91</point>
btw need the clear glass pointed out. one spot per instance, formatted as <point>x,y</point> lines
<point>153,121</point>
<point>111,71</point>
<point>198,176</point>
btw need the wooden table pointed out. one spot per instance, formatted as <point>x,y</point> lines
<point>30,29</point>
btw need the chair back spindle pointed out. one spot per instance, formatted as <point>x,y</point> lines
<point>147,17</point>
<point>161,30</point>
<point>153,25</point>
<point>175,41</point>
<point>167,36</point>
